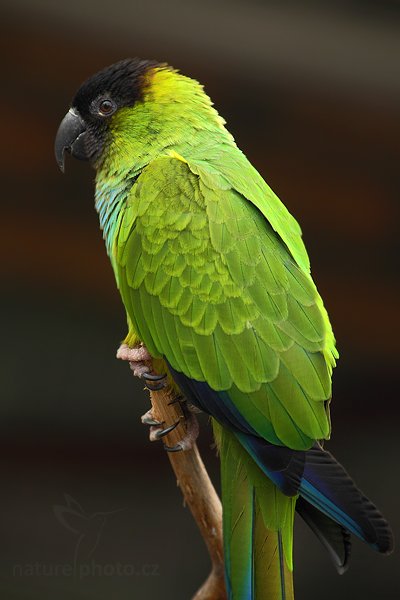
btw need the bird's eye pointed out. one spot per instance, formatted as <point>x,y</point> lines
<point>106,107</point>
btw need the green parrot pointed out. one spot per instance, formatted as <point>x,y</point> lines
<point>216,284</point>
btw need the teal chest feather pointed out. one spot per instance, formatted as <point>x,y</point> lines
<point>109,204</point>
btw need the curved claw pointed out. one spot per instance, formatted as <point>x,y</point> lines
<point>177,448</point>
<point>159,434</point>
<point>152,377</point>
<point>189,439</point>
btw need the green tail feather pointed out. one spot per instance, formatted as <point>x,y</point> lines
<point>258,527</point>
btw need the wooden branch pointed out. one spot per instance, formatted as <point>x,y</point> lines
<point>197,489</point>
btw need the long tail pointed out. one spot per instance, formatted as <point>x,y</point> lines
<point>323,483</point>
<point>258,527</point>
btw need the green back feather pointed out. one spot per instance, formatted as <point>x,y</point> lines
<point>210,285</point>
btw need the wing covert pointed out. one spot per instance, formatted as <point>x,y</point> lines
<point>210,286</point>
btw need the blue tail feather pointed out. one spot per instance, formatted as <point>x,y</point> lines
<point>323,482</point>
<point>313,474</point>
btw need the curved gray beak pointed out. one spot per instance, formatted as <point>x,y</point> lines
<point>70,137</point>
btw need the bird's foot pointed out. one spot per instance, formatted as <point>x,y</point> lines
<point>140,363</point>
<point>139,358</point>
<point>157,428</point>
<point>190,437</point>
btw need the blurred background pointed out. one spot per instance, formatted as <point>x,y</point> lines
<point>311,91</point>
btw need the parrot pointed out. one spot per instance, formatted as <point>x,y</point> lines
<point>215,280</point>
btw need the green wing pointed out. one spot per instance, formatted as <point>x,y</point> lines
<point>210,285</point>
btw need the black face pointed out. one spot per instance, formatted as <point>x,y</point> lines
<point>83,131</point>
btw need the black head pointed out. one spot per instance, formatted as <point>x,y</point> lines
<point>83,131</point>
<point>120,84</point>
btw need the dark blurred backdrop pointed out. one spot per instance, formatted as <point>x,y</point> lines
<point>311,91</point>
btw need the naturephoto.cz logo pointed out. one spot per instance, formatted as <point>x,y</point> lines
<point>87,529</point>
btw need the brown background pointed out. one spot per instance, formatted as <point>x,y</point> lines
<point>312,95</point>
